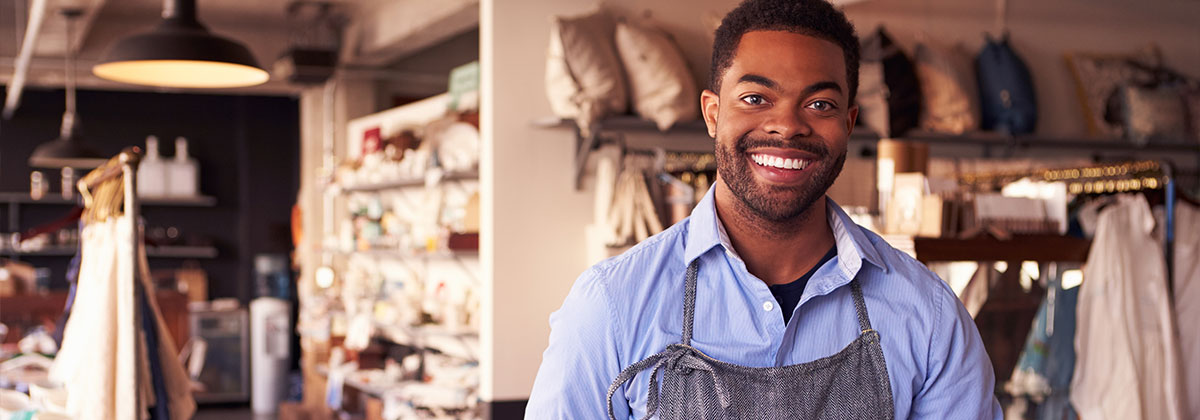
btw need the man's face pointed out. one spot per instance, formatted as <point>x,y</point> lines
<point>781,122</point>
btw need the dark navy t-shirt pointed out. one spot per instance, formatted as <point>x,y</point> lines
<point>788,294</point>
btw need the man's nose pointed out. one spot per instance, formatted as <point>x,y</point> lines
<point>787,122</point>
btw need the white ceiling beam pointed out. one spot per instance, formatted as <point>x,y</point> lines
<point>16,83</point>
<point>392,30</point>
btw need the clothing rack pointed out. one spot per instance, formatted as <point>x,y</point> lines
<point>111,186</point>
<point>1133,176</point>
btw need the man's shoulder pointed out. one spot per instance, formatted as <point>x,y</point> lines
<point>640,263</point>
<point>903,270</point>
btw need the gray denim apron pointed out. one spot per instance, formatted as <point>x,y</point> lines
<point>852,384</point>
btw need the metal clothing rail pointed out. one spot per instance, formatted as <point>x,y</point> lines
<point>1107,178</point>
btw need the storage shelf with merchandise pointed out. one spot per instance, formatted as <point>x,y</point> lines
<point>402,246</point>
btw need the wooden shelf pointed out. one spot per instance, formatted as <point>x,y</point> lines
<point>981,138</point>
<point>54,199</point>
<point>458,342</point>
<point>408,183</point>
<point>201,252</point>
<point>1019,248</point>
<point>987,140</point>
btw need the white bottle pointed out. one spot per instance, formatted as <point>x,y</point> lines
<point>152,174</point>
<point>183,174</point>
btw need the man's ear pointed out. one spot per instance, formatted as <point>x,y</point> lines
<point>709,108</point>
<point>851,118</point>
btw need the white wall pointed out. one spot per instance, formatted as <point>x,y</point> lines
<point>536,248</point>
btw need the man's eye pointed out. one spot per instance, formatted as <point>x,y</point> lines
<point>823,106</point>
<point>754,100</point>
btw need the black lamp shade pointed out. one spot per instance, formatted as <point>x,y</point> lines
<point>65,152</point>
<point>180,52</point>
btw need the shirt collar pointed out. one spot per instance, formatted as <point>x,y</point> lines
<point>706,231</point>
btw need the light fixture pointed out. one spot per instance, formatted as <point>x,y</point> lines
<point>68,150</point>
<point>181,52</point>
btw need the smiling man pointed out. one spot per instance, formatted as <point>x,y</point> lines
<point>768,301</point>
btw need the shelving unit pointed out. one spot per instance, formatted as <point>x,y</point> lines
<point>54,199</point>
<point>614,129</point>
<point>461,343</point>
<point>196,252</point>
<point>1018,248</point>
<point>15,200</point>
<point>407,183</point>
<point>440,289</point>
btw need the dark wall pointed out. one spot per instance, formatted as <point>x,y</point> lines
<point>248,148</point>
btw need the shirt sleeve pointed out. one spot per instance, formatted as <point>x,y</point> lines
<point>581,360</point>
<point>959,379</point>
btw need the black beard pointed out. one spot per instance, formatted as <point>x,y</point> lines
<point>775,203</point>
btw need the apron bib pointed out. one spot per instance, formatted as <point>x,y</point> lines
<point>852,384</point>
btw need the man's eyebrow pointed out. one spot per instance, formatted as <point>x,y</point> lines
<point>759,80</point>
<point>819,86</point>
<point>771,84</point>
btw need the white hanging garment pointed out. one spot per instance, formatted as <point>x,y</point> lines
<point>1187,301</point>
<point>1127,365</point>
<point>103,362</point>
<point>98,361</point>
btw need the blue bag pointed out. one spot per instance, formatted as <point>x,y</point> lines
<point>1006,97</point>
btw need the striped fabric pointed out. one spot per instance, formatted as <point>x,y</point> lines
<point>627,308</point>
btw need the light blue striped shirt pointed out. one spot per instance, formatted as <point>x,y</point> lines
<point>631,306</point>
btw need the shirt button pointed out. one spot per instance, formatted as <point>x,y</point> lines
<point>768,306</point>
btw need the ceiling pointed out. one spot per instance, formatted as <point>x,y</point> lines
<point>261,24</point>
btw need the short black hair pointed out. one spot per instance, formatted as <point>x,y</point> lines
<point>815,18</point>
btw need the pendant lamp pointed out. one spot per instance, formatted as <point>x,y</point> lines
<point>68,150</point>
<point>180,52</point>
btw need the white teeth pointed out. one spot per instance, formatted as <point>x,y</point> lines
<point>778,162</point>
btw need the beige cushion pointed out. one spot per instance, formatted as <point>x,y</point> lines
<point>872,98</point>
<point>662,88</point>
<point>1155,114</point>
<point>584,79</point>
<point>948,88</point>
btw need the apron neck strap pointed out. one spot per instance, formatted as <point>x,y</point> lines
<point>860,306</point>
<point>689,301</point>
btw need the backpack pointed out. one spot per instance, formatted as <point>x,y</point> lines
<point>1006,97</point>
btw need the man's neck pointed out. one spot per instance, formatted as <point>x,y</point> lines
<point>776,252</point>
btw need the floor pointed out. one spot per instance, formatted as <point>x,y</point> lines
<point>227,413</point>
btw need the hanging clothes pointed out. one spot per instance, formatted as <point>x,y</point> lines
<point>107,364</point>
<point>98,361</point>
<point>1127,365</point>
<point>1187,301</point>
<point>1044,370</point>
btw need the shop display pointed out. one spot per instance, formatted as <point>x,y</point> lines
<point>1007,100</point>
<point>1127,364</point>
<point>1187,300</point>
<point>1154,114</point>
<point>584,78</point>
<point>900,88</point>
<point>68,183</point>
<point>224,375</point>
<point>1191,99</point>
<point>37,185</point>
<point>400,286</point>
<point>115,337</point>
<point>948,88</point>
<point>1099,77</point>
<point>660,83</point>
<point>182,173</point>
<point>152,172</point>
